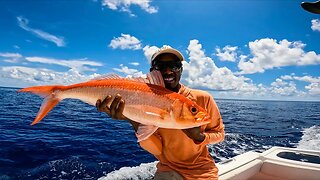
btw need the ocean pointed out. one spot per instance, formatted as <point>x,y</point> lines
<point>75,141</point>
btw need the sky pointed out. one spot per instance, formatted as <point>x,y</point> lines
<point>234,49</point>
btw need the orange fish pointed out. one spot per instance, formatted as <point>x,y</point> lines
<point>147,101</point>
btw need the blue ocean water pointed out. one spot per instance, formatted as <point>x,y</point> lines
<point>75,141</point>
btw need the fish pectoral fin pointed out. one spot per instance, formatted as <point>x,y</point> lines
<point>145,131</point>
<point>154,77</point>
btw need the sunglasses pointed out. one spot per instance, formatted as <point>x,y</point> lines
<point>173,66</point>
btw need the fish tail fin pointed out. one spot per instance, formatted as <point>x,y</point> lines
<point>50,101</point>
<point>42,91</point>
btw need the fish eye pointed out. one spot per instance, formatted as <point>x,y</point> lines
<point>193,110</point>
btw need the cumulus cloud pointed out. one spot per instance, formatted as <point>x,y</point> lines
<point>10,57</point>
<point>313,88</point>
<point>129,72</point>
<point>74,64</point>
<point>23,23</point>
<point>283,88</point>
<point>19,76</point>
<point>315,25</point>
<point>124,5</point>
<point>268,54</point>
<point>126,41</point>
<point>228,53</point>
<point>148,51</point>
<point>201,72</point>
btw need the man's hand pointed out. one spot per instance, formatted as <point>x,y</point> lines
<point>116,108</point>
<point>194,134</point>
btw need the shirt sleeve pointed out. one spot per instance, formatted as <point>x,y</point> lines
<point>214,131</point>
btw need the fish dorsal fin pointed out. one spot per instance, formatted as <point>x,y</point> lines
<point>108,76</point>
<point>140,79</point>
<point>154,77</point>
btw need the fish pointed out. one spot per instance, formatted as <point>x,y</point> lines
<point>147,101</point>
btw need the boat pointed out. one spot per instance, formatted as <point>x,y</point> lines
<point>276,163</point>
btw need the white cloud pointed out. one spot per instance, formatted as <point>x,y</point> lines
<point>268,54</point>
<point>124,5</point>
<point>280,87</point>
<point>134,63</point>
<point>129,72</point>
<point>18,76</point>
<point>11,57</point>
<point>148,51</point>
<point>313,87</point>
<point>23,23</point>
<point>228,53</point>
<point>126,41</point>
<point>315,25</point>
<point>74,64</point>
<point>201,72</point>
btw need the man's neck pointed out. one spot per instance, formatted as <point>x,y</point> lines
<point>175,89</point>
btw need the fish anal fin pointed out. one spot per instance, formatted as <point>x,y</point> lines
<point>145,131</point>
<point>49,103</point>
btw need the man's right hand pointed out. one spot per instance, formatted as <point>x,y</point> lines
<point>116,108</point>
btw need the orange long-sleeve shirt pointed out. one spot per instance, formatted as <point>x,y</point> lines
<point>176,151</point>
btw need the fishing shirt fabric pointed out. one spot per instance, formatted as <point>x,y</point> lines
<point>176,151</point>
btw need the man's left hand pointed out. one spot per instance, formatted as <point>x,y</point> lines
<point>194,134</point>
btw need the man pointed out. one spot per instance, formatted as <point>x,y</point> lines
<point>182,154</point>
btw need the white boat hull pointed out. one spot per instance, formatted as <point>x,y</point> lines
<point>277,163</point>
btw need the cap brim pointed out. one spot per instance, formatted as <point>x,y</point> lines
<point>313,7</point>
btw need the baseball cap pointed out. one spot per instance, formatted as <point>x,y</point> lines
<point>169,50</point>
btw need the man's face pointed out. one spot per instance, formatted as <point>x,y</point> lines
<point>170,68</point>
